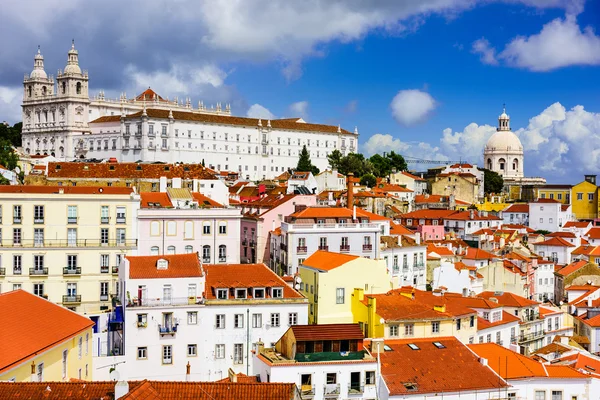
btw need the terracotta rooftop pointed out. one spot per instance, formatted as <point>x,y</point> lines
<point>178,266</point>
<point>517,208</point>
<point>471,253</point>
<point>554,241</point>
<point>428,214</point>
<point>562,234</point>
<point>30,325</point>
<point>148,95</point>
<point>32,189</point>
<point>230,276</point>
<point>508,299</point>
<point>155,200</point>
<point>586,250</point>
<point>573,267</point>
<point>507,318</point>
<point>423,368</point>
<point>399,229</point>
<point>577,224</point>
<point>304,333</point>
<point>408,174</point>
<point>83,170</point>
<point>551,201</point>
<point>326,260</point>
<point>430,198</point>
<point>284,124</point>
<point>593,233</point>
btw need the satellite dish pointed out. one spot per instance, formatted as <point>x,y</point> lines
<point>381,321</point>
<point>298,279</point>
<point>17,170</point>
<point>297,286</point>
<point>114,375</point>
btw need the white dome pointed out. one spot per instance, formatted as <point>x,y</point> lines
<point>504,141</point>
<point>38,74</point>
<point>72,69</point>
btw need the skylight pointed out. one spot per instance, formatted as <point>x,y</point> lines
<point>410,385</point>
<point>439,345</point>
<point>413,346</point>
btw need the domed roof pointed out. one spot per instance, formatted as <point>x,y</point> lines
<point>38,66</point>
<point>504,141</point>
<point>73,61</point>
<point>38,74</point>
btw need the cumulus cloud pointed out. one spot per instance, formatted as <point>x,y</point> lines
<point>487,54</point>
<point>380,143</point>
<point>299,109</point>
<point>258,111</point>
<point>467,144</point>
<point>412,106</point>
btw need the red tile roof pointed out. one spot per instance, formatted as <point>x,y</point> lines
<point>388,187</point>
<point>507,318</point>
<point>399,229</point>
<point>427,368</point>
<point>128,171</point>
<point>573,267</point>
<point>326,260</point>
<point>586,250</point>
<point>471,253</point>
<point>31,325</point>
<point>151,199</point>
<point>517,208</point>
<point>562,234</point>
<point>508,299</point>
<point>31,189</point>
<point>554,241</point>
<point>148,95</point>
<point>205,201</point>
<point>593,233</point>
<point>284,124</point>
<point>227,276</point>
<point>546,201</point>
<point>477,216</point>
<point>428,214</point>
<point>304,333</point>
<point>577,224</point>
<point>430,198</point>
<point>179,266</point>
<point>416,178</point>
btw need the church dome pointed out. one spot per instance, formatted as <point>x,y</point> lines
<point>38,74</point>
<point>504,141</point>
<point>38,67</point>
<point>72,61</point>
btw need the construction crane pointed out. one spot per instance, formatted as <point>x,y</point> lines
<point>413,160</point>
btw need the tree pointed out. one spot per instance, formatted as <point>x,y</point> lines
<point>368,180</point>
<point>397,161</point>
<point>4,181</point>
<point>384,165</point>
<point>8,158</point>
<point>357,164</point>
<point>335,159</point>
<point>304,163</point>
<point>12,134</point>
<point>493,182</point>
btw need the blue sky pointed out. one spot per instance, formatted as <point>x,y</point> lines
<point>427,78</point>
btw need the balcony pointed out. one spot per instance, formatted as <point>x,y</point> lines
<point>331,390</point>
<point>104,220</point>
<point>173,301</point>
<point>16,220</point>
<point>367,247</point>
<point>17,271</point>
<point>115,270</point>
<point>307,391</point>
<point>104,297</point>
<point>121,220</point>
<point>167,330</point>
<point>71,220</point>
<point>355,389</point>
<point>222,259</point>
<point>528,337</point>
<point>301,249</point>
<point>72,271</point>
<point>71,299</point>
<point>206,260</point>
<point>104,269</point>
<point>38,220</point>
<point>252,243</point>
<point>344,248</point>
<point>2,271</point>
<point>56,243</point>
<point>38,271</point>
<point>324,248</point>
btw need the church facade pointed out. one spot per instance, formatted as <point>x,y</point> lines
<point>61,119</point>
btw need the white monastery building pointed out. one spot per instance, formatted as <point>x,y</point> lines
<point>60,119</point>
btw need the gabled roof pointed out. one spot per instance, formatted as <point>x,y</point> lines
<point>178,266</point>
<point>471,253</point>
<point>577,224</point>
<point>546,201</point>
<point>554,241</point>
<point>389,187</point>
<point>466,216</point>
<point>430,198</point>
<point>428,214</point>
<point>426,369</point>
<point>573,267</point>
<point>586,250</point>
<point>229,276</point>
<point>511,365</point>
<point>593,233</point>
<point>517,208</point>
<point>304,333</point>
<point>439,250</point>
<point>30,325</point>
<point>509,299</point>
<point>155,200</point>
<point>399,229</point>
<point>409,175</point>
<point>148,95</point>
<point>205,201</point>
<point>507,318</point>
<point>326,260</point>
<point>562,234</point>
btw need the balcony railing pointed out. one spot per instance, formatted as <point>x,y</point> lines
<point>527,337</point>
<point>206,260</point>
<point>2,271</point>
<point>38,220</point>
<point>222,259</point>
<point>104,220</point>
<point>301,249</point>
<point>325,248</point>
<point>244,242</point>
<point>252,243</point>
<point>16,220</point>
<point>167,330</point>
<point>121,220</point>
<point>71,299</point>
<point>69,243</point>
<point>17,271</point>
<point>103,297</point>
<point>104,269</point>
<point>367,247</point>
<point>173,301</point>
<point>38,271</point>
<point>331,390</point>
<point>71,220</point>
<point>115,270</point>
<point>344,248</point>
<point>355,389</point>
<point>72,271</point>
<point>342,226</point>
<point>307,391</point>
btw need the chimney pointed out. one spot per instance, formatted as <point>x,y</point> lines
<point>354,213</point>
<point>483,361</point>
<point>162,184</point>
<point>195,185</point>
<point>231,375</point>
<point>260,346</point>
<point>471,214</point>
<point>188,367</point>
<point>33,374</point>
<point>176,183</point>
<point>330,197</point>
<point>121,389</point>
<point>589,302</point>
<point>377,346</point>
<point>350,194</point>
<point>418,238</point>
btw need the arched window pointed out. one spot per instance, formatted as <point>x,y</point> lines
<point>154,228</point>
<point>64,87</point>
<point>501,163</point>
<point>171,228</point>
<point>489,164</point>
<point>222,253</point>
<point>154,250</point>
<point>29,91</point>
<point>188,230</point>
<point>78,88</point>
<point>171,250</point>
<point>206,253</point>
<point>189,249</point>
<point>516,164</point>
<point>43,90</point>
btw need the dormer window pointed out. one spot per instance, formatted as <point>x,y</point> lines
<point>259,293</point>
<point>277,293</point>
<point>240,293</point>
<point>222,294</point>
<point>162,264</point>
<point>320,222</point>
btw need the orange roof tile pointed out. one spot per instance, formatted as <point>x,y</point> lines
<point>228,276</point>
<point>155,200</point>
<point>399,229</point>
<point>517,208</point>
<point>303,333</point>
<point>593,233</point>
<point>428,214</point>
<point>326,260</point>
<point>427,368</point>
<point>507,318</point>
<point>587,250</point>
<point>562,234</point>
<point>416,178</point>
<point>577,224</point>
<point>508,299</point>
<point>471,253</point>
<point>128,171</point>
<point>30,325</point>
<point>179,266</point>
<point>205,201</point>
<point>439,250</point>
<point>546,201</point>
<point>389,187</point>
<point>31,189</point>
<point>430,198</point>
<point>573,267</point>
<point>554,241</point>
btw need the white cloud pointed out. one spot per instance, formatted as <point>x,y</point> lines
<point>412,106</point>
<point>258,111</point>
<point>487,54</point>
<point>178,79</point>
<point>10,104</point>
<point>467,144</point>
<point>380,143</point>
<point>299,109</point>
<point>560,43</point>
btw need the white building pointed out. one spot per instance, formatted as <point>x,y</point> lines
<point>60,119</point>
<point>324,361</point>
<point>178,311</point>
<point>330,180</point>
<point>516,214</point>
<point>544,281</point>
<point>549,215</point>
<point>465,223</point>
<point>300,180</point>
<point>555,249</point>
<point>503,152</point>
<point>457,277</point>
<point>406,260</point>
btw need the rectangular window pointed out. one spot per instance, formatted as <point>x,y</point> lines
<point>72,261</point>
<point>219,351</point>
<point>40,372</point>
<point>369,377</point>
<point>256,320</point>
<point>71,214</point>
<point>277,293</point>
<point>293,319</point>
<point>222,228</point>
<point>275,319</point>
<point>167,354</point>
<point>104,214</point>
<point>38,289</point>
<point>17,236</point>
<point>64,363</point>
<point>104,236</point>
<point>540,395</point>
<point>458,324</point>
<point>340,296</point>
<point>17,264</point>
<point>192,350</point>
<point>120,236</point>
<point>38,214</point>
<point>435,327</point>
<point>238,321</point>
<point>409,329</point>
<point>16,214</point>
<point>238,353</point>
<point>142,353</point>
<point>71,237</point>
<point>220,321</point>
<point>121,215</point>
<point>557,395</point>
<point>394,332</point>
<point>192,317</point>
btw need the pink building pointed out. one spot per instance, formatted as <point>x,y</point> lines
<point>431,232</point>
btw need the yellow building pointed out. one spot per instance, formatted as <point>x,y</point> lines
<point>561,193</point>
<point>410,313</point>
<point>496,205</point>
<point>328,280</point>
<point>584,199</point>
<point>66,243</point>
<point>42,341</point>
<point>463,186</point>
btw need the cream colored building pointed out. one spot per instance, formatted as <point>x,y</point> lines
<point>65,243</point>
